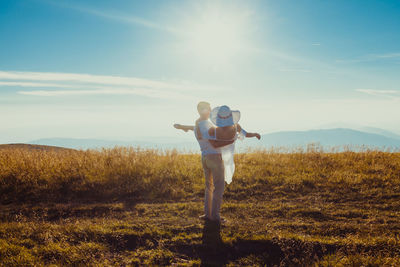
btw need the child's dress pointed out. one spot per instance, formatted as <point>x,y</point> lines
<point>227,153</point>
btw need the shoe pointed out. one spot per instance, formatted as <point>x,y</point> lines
<point>221,221</point>
<point>203,217</point>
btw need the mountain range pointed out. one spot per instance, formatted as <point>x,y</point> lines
<point>340,137</point>
<point>336,137</point>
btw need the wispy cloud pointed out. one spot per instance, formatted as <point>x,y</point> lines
<point>88,84</point>
<point>393,94</point>
<point>294,70</point>
<point>109,14</point>
<point>87,78</point>
<point>117,91</point>
<point>388,55</point>
<point>32,84</point>
<point>371,58</point>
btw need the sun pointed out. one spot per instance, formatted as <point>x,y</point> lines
<point>217,34</point>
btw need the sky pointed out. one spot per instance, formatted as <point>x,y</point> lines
<point>129,70</point>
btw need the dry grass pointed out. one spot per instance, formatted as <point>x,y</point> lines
<point>125,206</point>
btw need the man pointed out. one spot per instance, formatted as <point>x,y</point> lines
<point>212,162</point>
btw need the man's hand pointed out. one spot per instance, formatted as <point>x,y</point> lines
<point>180,127</point>
<point>258,136</point>
<point>185,128</point>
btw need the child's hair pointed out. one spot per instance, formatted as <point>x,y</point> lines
<point>202,106</point>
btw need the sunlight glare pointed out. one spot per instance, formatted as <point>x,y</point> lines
<point>217,35</point>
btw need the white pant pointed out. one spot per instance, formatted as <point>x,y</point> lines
<point>215,183</point>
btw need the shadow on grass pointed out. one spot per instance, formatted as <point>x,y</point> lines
<point>214,252</point>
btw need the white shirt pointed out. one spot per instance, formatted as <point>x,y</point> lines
<point>205,146</point>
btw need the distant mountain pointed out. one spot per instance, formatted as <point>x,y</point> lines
<point>380,132</point>
<point>338,137</point>
<point>327,138</point>
<point>361,128</point>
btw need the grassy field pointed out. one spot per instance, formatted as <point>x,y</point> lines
<point>125,206</point>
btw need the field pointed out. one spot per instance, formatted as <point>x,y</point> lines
<point>127,206</point>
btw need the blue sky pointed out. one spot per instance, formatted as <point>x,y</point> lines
<point>129,69</point>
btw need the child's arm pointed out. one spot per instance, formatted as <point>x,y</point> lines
<point>248,135</point>
<point>218,143</point>
<point>184,127</point>
<point>253,135</point>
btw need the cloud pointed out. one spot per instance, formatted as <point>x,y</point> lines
<point>130,20</point>
<point>31,84</point>
<point>85,78</point>
<point>116,17</point>
<point>294,70</point>
<point>372,58</point>
<point>389,55</point>
<point>114,91</point>
<point>394,94</point>
<point>88,84</point>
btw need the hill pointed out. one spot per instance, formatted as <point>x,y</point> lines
<point>80,143</point>
<point>31,147</point>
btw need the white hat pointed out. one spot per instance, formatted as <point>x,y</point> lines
<point>223,116</point>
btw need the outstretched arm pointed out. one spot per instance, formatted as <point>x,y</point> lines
<point>253,135</point>
<point>184,127</point>
<point>248,135</point>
